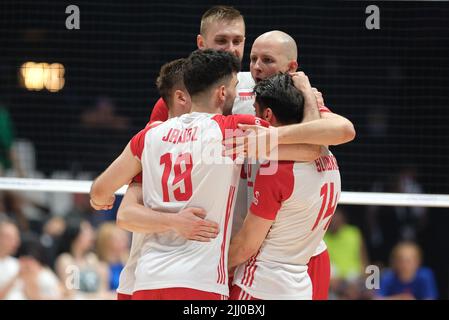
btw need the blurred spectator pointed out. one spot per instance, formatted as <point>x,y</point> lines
<point>105,132</point>
<point>36,281</point>
<point>412,220</point>
<point>113,249</point>
<point>3,214</point>
<point>80,270</point>
<point>387,225</point>
<point>348,257</point>
<point>8,157</point>
<point>9,266</point>
<point>407,279</point>
<point>50,237</point>
<point>25,211</point>
<point>103,115</point>
<point>83,210</point>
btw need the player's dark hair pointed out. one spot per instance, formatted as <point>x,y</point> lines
<point>219,13</point>
<point>206,68</point>
<point>280,95</point>
<point>170,78</point>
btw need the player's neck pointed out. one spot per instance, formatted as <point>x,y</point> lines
<point>205,108</point>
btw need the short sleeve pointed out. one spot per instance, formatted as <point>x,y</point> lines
<point>138,178</point>
<point>232,122</point>
<point>137,142</point>
<point>160,111</point>
<point>271,190</point>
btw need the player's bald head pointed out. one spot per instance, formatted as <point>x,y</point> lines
<point>273,52</point>
<point>281,40</point>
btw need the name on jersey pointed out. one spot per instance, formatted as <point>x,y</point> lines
<point>326,163</point>
<point>181,136</point>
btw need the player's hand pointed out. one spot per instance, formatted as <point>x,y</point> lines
<point>106,205</point>
<point>301,81</point>
<point>257,142</point>
<point>190,224</point>
<point>319,97</point>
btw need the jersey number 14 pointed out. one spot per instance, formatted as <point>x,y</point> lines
<point>330,201</point>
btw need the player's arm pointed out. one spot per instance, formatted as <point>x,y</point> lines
<point>118,174</point>
<point>296,152</point>
<point>301,82</point>
<point>269,193</point>
<point>248,240</point>
<point>332,129</point>
<point>189,223</point>
<point>325,128</point>
<point>303,152</point>
<point>329,129</point>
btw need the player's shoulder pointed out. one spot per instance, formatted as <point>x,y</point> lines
<point>277,174</point>
<point>149,126</point>
<point>232,121</point>
<point>153,124</point>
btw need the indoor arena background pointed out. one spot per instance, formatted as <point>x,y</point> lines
<point>392,83</point>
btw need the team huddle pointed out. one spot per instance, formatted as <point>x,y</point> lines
<point>210,219</point>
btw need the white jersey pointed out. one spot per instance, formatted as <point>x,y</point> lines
<point>9,269</point>
<point>300,198</point>
<point>127,277</point>
<point>245,197</point>
<point>183,166</point>
<point>244,100</point>
<point>249,170</point>
<point>243,104</point>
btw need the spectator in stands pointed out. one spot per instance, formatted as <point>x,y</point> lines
<point>14,204</point>
<point>3,214</point>
<point>36,281</point>
<point>99,122</point>
<point>348,258</point>
<point>407,279</point>
<point>8,157</point>
<point>412,221</point>
<point>113,249</point>
<point>79,269</point>
<point>9,265</point>
<point>83,210</point>
<point>50,237</point>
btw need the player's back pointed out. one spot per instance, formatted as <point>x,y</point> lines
<point>183,166</point>
<point>310,193</point>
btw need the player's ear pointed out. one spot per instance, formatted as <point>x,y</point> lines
<point>221,93</point>
<point>184,100</point>
<point>268,115</point>
<point>293,66</point>
<point>180,96</point>
<point>200,42</point>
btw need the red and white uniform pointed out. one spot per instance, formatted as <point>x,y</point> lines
<point>300,198</point>
<point>183,166</point>
<point>244,99</point>
<point>245,194</point>
<point>127,276</point>
<point>243,103</point>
